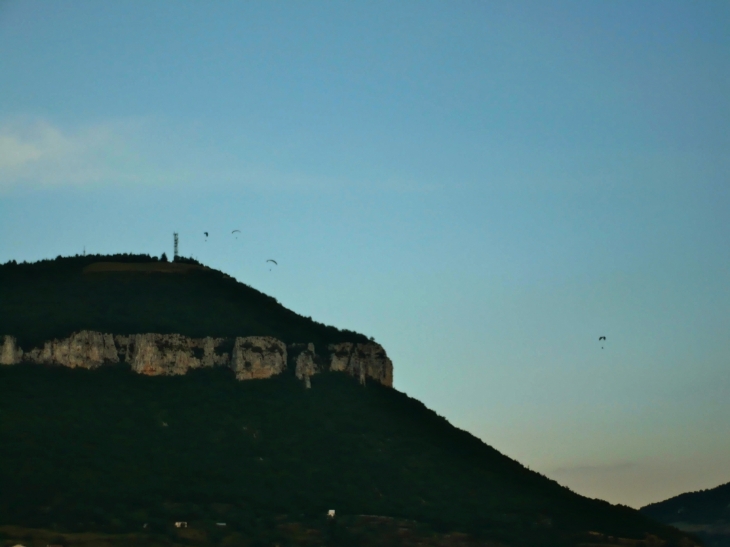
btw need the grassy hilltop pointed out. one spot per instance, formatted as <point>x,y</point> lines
<point>107,451</point>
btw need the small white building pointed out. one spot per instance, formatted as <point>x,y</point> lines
<point>182,524</point>
<point>331,513</point>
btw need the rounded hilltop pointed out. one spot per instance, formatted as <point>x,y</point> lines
<point>133,293</point>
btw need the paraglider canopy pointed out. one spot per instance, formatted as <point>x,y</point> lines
<point>272,260</point>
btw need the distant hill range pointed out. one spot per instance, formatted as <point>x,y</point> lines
<point>705,513</point>
<point>120,415</point>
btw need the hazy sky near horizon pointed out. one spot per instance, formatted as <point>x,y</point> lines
<point>484,187</point>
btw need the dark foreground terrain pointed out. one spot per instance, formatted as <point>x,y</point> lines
<point>108,451</point>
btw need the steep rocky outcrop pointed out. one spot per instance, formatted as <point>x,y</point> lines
<point>85,349</point>
<point>10,353</point>
<point>169,354</point>
<point>250,358</point>
<point>258,357</point>
<point>362,361</point>
<point>306,366</point>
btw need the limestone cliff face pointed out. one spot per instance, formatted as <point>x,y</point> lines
<point>169,354</point>
<point>253,357</point>
<point>10,353</point>
<point>83,349</point>
<point>258,357</point>
<point>306,366</point>
<point>362,361</point>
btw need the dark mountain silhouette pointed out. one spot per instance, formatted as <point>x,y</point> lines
<point>705,513</point>
<point>110,457</point>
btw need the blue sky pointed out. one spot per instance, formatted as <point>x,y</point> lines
<point>484,187</point>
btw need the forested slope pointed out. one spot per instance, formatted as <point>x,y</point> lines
<point>108,449</point>
<point>53,298</point>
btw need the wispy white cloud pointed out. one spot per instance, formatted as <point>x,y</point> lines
<point>35,153</point>
<point>38,153</point>
<point>644,480</point>
<point>596,469</point>
<point>15,153</point>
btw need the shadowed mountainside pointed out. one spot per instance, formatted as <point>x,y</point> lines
<point>705,513</point>
<point>109,451</point>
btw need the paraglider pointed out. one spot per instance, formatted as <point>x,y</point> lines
<point>272,260</point>
<point>236,231</point>
<point>206,235</point>
<point>601,338</point>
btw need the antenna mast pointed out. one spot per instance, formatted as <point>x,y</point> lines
<point>174,235</point>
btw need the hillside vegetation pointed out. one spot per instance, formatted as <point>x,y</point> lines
<point>129,294</point>
<point>110,450</point>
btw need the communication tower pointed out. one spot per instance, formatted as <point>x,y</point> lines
<point>174,235</point>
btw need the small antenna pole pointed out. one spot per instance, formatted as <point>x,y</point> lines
<point>174,235</point>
